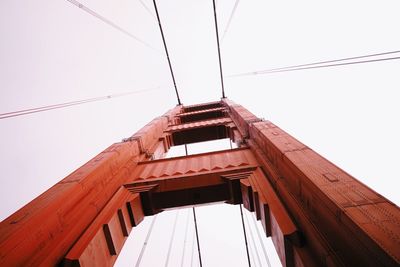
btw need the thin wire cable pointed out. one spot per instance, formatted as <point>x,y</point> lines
<point>185,238</point>
<point>330,61</point>
<point>166,52</point>
<point>68,104</point>
<point>191,259</point>
<point>229,21</point>
<point>197,236</point>
<point>145,242</point>
<point>252,239</point>
<point>186,150</point>
<point>147,9</point>
<point>219,50</point>
<point>252,258</point>
<point>245,236</point>
<point>261,241</point>
<point>335,60</point>
<point>320,65</point>
<point>112,24</point>
<point>334,65</point>
<point>37,109</point>
<point>172,239</point>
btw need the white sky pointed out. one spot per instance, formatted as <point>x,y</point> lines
<point>52,52</point>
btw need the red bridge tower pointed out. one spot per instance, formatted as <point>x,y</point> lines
<point>315,213</point>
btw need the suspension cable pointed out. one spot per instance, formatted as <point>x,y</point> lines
<point>252,258</point>
<point>230,20</point>
<point>172,239</point>
<point>196,230</point>
<point>261,241</point>
<point>166,52</point>
<point>147,9</point>
<point>245,236</point>
<point>186,149</point>
<point>145,242</point>
<point>252,239</point>
<point>68,104</point>
<point>321,64</point>
<point>185,238</point>
<point>110,23</point>
<point>335,60</point>
<point>219,51</point>
<point>197,235</point>
<point>191,258</point>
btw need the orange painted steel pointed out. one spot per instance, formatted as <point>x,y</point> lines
<point>43,231</point>
<point>343,222</point>
<point>199,124</point>
<point>315,213</point>
<point>102,241</point>
<point>199,163</point>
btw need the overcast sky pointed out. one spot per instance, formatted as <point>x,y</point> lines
<point>51,52</point>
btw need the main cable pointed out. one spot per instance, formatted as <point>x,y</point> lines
<point>145,242</point>
<point>68,104</point>
<point>245,236</point>
<point>321,64</point>
<point>110,23</point>
<point>219,50</point>
<point>166,52</point>
<point>230,20</point>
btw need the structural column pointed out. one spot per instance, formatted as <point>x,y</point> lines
<point>341,220</point>
<point>43,231</point>
<point>315,213</point>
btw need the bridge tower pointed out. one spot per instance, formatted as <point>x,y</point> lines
<point>315,213</point>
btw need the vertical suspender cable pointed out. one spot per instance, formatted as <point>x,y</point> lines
<point>197,236</point>
<point>230,20</point>
<point>145,242</point>
<point>186,150</point>
<point>253,239</point>
<point>191,259</point>
<point>245,237</point>
<point>196,230</point>
<point>172,239</point>
<point>252,258</point>
<point>185,238</point>
<point>219,50</point>
<point>166,52</point>
<point>261,241</point>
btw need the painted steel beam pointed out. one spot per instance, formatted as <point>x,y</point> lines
<point>344,222</point>
<point>215,177</point>
<point>43,231</point>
